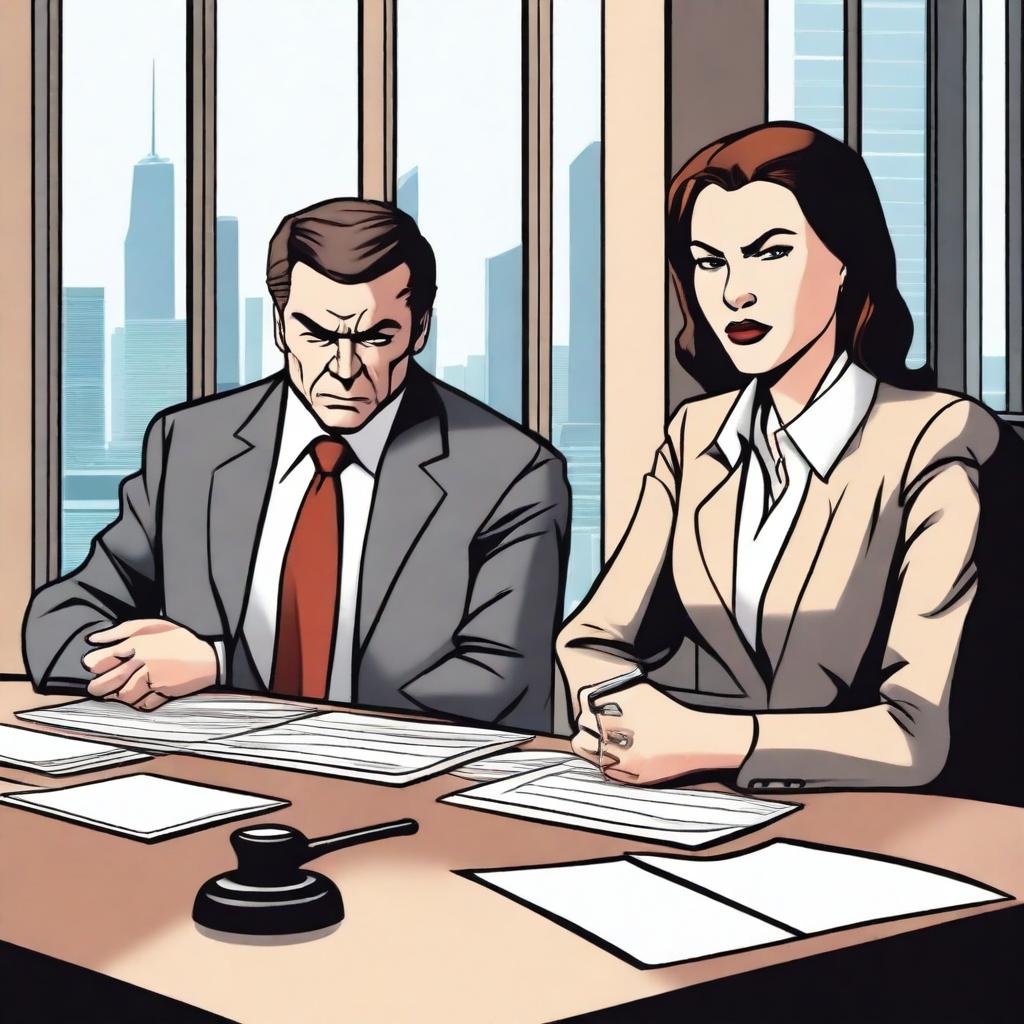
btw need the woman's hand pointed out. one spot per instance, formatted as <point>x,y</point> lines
<point>656,738</point>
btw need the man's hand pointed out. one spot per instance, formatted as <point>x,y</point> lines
<point>146,662</point>
<point>656,738</point>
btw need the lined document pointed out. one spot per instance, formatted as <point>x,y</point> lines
<point>675,909</point>
<point>370,748</point>
<point>144,807</point>
<point>517,762</point>
<point>58,755</point>
<point>578,795</point>
<point>176,725</point>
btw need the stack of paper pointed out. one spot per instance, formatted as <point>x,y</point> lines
<point>577,794</point>
<point>58,755</point>
<point>145,807</point>
<point>176,725</point>
<point>370,748</point>
<point>503,766</point>
<point>676,909</point>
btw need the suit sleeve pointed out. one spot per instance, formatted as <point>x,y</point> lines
<point>630,614</point>
<point>118,581</point>
<point>902,741</point>
<point>502,667</point>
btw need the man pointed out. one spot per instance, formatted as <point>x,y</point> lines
<point>349,529</point>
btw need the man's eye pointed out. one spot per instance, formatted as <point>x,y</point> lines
<point>375,339</point>
<point>709,263</point>
<point>776,252</point>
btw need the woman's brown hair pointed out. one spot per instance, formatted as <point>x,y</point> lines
<point>837,196</point>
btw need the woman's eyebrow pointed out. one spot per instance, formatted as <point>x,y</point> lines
<point>710,248</point>
<point>755,245</point>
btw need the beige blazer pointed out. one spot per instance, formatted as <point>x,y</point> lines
<point>864,612</point>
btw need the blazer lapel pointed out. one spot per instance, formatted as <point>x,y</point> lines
<point>406,496</point>
<point>237,499</point>
<point>715,525</point>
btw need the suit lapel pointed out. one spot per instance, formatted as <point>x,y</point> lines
<point>715,524</point>
<point>406,496</point>
<point>237,499</point>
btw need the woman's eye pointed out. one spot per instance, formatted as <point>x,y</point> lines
<point>709,263</point>
<point>776,252</point>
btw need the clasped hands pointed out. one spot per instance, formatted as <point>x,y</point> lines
<point>147,662</point>
<point>654,738</point>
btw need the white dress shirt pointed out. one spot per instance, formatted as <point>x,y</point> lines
<point>293,473</point>
<point>773,489</point>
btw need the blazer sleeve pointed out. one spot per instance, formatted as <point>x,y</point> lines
<point>902,741</point>
<point>502,668</point>
<point>118,581</point>
<point>630,615</point>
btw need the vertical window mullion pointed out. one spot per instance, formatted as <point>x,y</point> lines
<point>378,88</point>
<point>537,134</point>
<point>201,162</point>
<point>1014,85</point>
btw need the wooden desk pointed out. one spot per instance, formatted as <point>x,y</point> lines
<point>418,943</point>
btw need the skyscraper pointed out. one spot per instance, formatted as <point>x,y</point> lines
<point>408,200</point>
<point>227,303</point>
<point>149,243</point>
<point>504,337</point>
<point>559,388</point>
<point>155,360</point>
<point>83,362</point>
<point>253,339</point>
<point>585,286</point>
<point>118,395</point>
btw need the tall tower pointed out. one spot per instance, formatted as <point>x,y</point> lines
<point>409,202</point>
<point>585,286</point>
<point>149,244</point>
<point>504,311</point>
<point>227,303</point>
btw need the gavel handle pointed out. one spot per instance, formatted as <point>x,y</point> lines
<point>325,844</point>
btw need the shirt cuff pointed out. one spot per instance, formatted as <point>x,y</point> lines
<point>219,650</point>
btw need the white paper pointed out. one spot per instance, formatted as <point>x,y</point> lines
<point>146,807</point>
<point>58,755</point>
<point>371,748</point>
<point>578,794</point>
<point>173,726</point>
<point>815,890</point>
<point>650,919</point>
<point>504,766</point>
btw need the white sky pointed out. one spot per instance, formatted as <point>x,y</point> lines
<point>287,132</point>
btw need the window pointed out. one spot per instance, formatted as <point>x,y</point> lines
<point>123,345</point>
<point>806,79</point>
<point>576,277</point>
<point>287,137</point>
<point>460,177</point>
<point>894,117</point>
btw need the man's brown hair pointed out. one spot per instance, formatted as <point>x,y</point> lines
<point>353,241</point>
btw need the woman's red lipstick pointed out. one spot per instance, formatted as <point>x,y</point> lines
<point>746,332</point>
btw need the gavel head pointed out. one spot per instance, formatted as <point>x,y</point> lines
<point>269,854</point>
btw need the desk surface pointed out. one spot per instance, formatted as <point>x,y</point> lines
<point>418,942</point>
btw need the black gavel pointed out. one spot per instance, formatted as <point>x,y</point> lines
<point>269,893</point>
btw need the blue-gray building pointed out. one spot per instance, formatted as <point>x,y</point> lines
<point>149,243</point>
<point>253,339</point>
<point>83,414</point>
<point>585,286</point>
<point>154,375</point>
<point>408,200</point>
<point>227,303</point>
<point>504,337</point>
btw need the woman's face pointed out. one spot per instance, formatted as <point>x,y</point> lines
<point>764,280</point>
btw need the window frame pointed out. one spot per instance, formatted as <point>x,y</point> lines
<point>377,145</point>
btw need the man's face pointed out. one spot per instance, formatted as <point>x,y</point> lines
<point>347,346</point>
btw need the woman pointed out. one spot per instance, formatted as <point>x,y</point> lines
<point>811,523</point>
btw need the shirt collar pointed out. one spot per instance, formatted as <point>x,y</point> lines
<point>301,428</point>
<point>821,431</point>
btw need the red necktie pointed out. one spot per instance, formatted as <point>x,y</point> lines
<point>308,610</point>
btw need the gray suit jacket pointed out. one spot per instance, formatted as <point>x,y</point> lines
<point>462,575</point>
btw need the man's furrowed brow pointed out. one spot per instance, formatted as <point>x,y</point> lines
<point>312,326</point>
<point>379,326</point>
